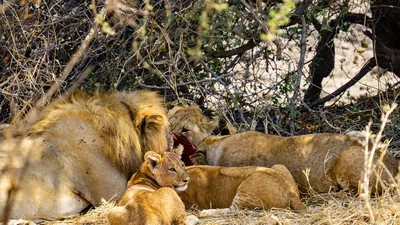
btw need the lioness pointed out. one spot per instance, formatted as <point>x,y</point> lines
<point>333,160</point>
<point>150,197</point>
<point>80,150</point>
<point>241,188</point>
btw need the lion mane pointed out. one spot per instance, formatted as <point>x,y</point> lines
<point>113,116</point>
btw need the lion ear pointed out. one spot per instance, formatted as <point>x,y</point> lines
<point>152,122</point>
<point>172,111</point>
<point>152,159</point>
<point>210,124</point>
<point>198,158</point>
<point>229,129</point>
<point>178,150</point>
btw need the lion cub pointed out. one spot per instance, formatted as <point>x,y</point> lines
<point>241,188</point>
<point>150,197</point>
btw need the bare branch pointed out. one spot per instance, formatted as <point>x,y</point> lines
<point>237,51</point>
<point>78,81</point>
<point>366,68</point>
<point>186,83</point>
<point>301,8</point>
<point>255,16</point>
<point>298,12</point>
<point>299,75</point>
<point>357,18</point>
<point>64,74</point>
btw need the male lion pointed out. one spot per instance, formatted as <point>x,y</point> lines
<point>150,197</point>
<point>80,150</point>
<point>241,188</point>
<point>333,160</point>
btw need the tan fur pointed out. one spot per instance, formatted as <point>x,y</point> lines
<point>80,150</point>
<point>334,160</point>
<point>150,197</point>
<point>241,188</point>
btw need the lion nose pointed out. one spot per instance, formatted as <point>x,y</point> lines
<point>186,180</point>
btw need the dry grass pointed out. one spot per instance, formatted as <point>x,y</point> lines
<point>331,208</point>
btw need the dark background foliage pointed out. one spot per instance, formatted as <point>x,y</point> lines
<point>202,52</point>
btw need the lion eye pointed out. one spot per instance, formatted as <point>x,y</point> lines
<point>172,170</point>
<point>184,130</point>
<point>183,165</point>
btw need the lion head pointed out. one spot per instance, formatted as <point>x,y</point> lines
<point>167,169</point>
<point>130,123</point>
<point>191,122</point>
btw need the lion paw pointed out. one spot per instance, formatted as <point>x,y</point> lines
<point>192,220</point>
